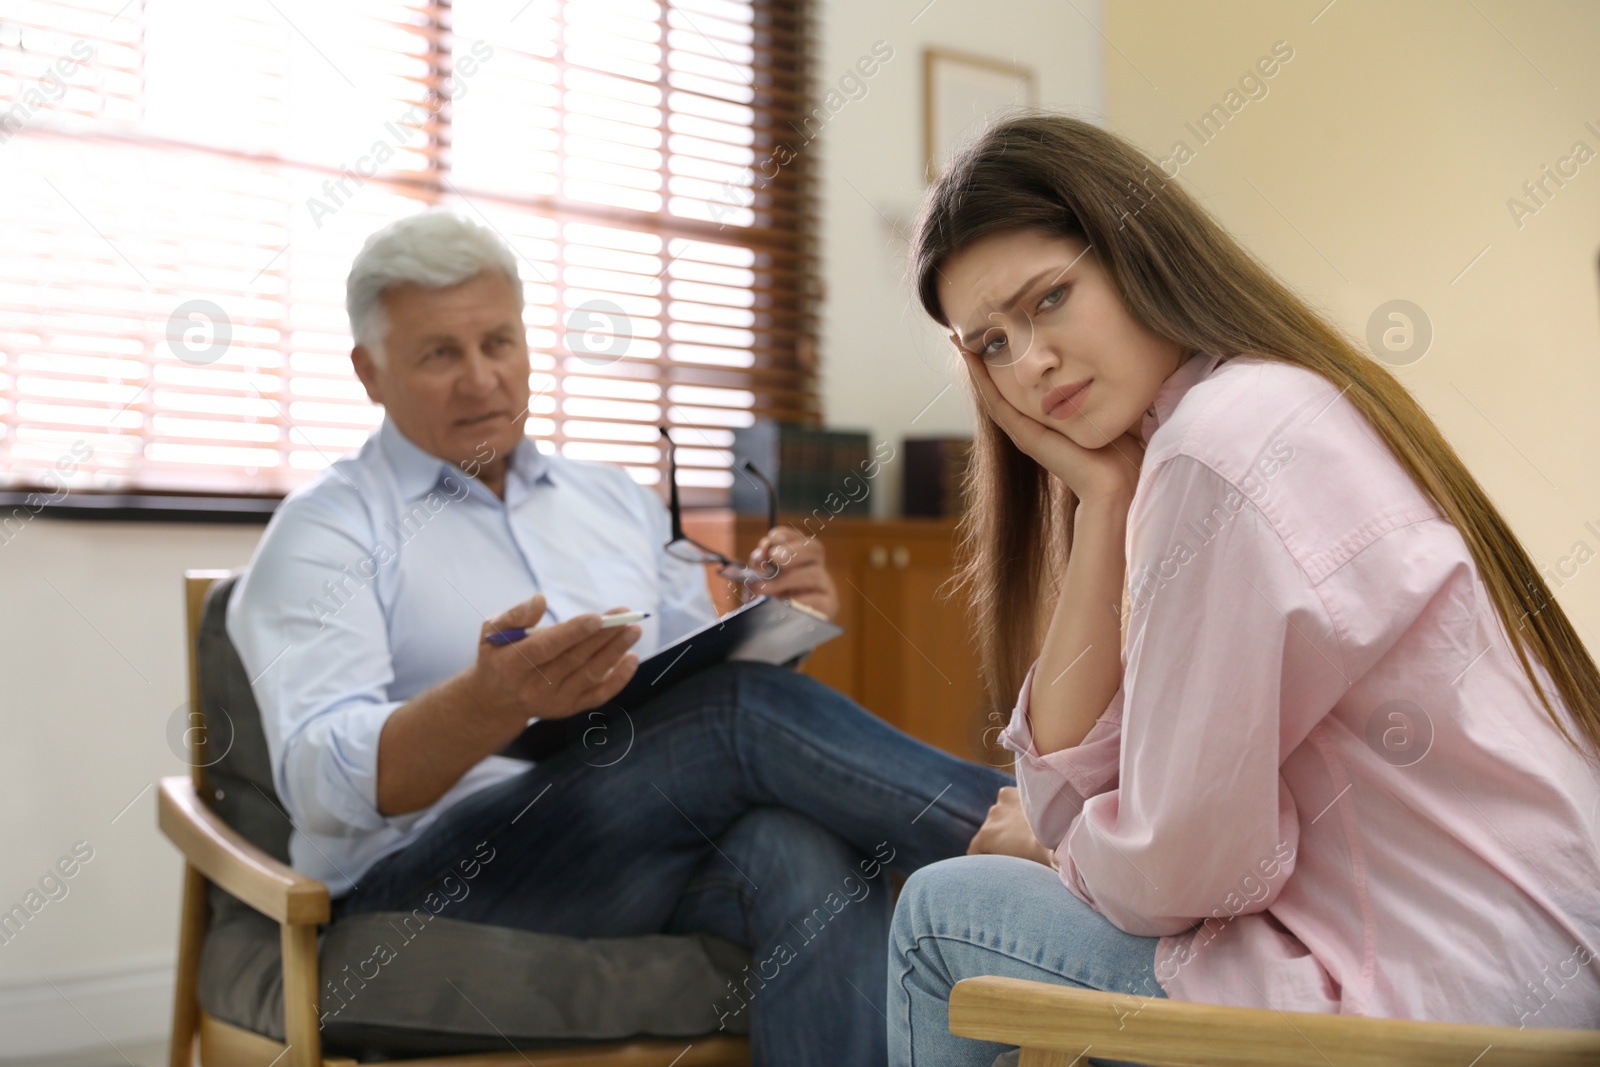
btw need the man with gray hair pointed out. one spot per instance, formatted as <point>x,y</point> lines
<point>750,798</point>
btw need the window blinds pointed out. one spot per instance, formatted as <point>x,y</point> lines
<point>184,184</point>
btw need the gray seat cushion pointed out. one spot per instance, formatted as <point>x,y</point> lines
<point>390,990</point>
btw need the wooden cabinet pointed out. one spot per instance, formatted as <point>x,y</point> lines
<point>918,666</point>
<point>907,653</point>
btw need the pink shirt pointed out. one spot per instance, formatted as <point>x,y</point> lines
<point>1323,750</point>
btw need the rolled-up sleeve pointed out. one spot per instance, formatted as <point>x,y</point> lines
<point>1227,640</point>
<point>1054,787</point>
<point>311,634</point>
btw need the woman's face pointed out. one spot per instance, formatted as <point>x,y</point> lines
<point>1058,343</point>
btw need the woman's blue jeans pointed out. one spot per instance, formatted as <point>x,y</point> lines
<point>748,801</point>
<point>996,915</point>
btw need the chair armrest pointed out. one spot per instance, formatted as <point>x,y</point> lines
<point>218,851</point>
<point>1175,1033</point>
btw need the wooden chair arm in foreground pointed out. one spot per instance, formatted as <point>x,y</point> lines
<point>1058,1025</point>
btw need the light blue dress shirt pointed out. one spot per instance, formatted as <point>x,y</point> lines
<point>371,584</point>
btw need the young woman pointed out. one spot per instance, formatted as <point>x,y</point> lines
<point>1299,725</point>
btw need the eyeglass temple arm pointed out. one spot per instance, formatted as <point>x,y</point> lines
<point>672,491</point>
<point>672,487</point>
<point>772,494</point>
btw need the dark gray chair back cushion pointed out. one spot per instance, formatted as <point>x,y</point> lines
<point>235,751</point>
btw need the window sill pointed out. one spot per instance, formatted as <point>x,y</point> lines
<point>139,507</point>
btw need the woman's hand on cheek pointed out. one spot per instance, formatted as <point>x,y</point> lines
<point>1093,474</point>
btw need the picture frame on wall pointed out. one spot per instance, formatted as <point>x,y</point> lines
<point>962,94</point>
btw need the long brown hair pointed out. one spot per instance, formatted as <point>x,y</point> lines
<point>1182,276</point>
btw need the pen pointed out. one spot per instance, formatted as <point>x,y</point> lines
<point>607,622</point>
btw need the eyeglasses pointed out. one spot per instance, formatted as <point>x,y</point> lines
<point>688,549</point>
<point>1011,331</point>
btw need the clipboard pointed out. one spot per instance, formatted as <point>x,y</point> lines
<point>766,630</point>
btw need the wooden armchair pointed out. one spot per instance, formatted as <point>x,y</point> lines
<point>1058,1026</point>
<point>215,853</point>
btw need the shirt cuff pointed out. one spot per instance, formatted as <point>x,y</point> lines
<point>332,772</point>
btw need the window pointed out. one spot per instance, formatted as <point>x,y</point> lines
<point>183,184</point>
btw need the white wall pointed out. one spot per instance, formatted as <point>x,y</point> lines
<point>885,367</point>
<point>91,653</point>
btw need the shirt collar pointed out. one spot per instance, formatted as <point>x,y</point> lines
<point>417,471</point>
<point>1179,382</point>
<point>529,466</point>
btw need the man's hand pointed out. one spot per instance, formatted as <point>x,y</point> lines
<point>554,672</point>
<point>1005,832</point>
<point>802,573</point>
<point>431,740</point>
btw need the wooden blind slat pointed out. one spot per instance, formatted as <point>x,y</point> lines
<point>616,153</point>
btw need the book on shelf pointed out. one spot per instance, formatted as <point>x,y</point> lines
<point>811,468</point>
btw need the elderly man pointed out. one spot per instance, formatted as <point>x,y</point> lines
<point>745,797</point>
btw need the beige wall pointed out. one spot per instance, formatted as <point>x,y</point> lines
<point>1377,167</point>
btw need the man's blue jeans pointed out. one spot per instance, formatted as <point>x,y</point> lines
<point>748,801</point>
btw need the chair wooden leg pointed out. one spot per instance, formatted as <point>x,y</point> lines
<point>300,1017</point>
<point>186,994</point>
<point>1042,1057</point>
